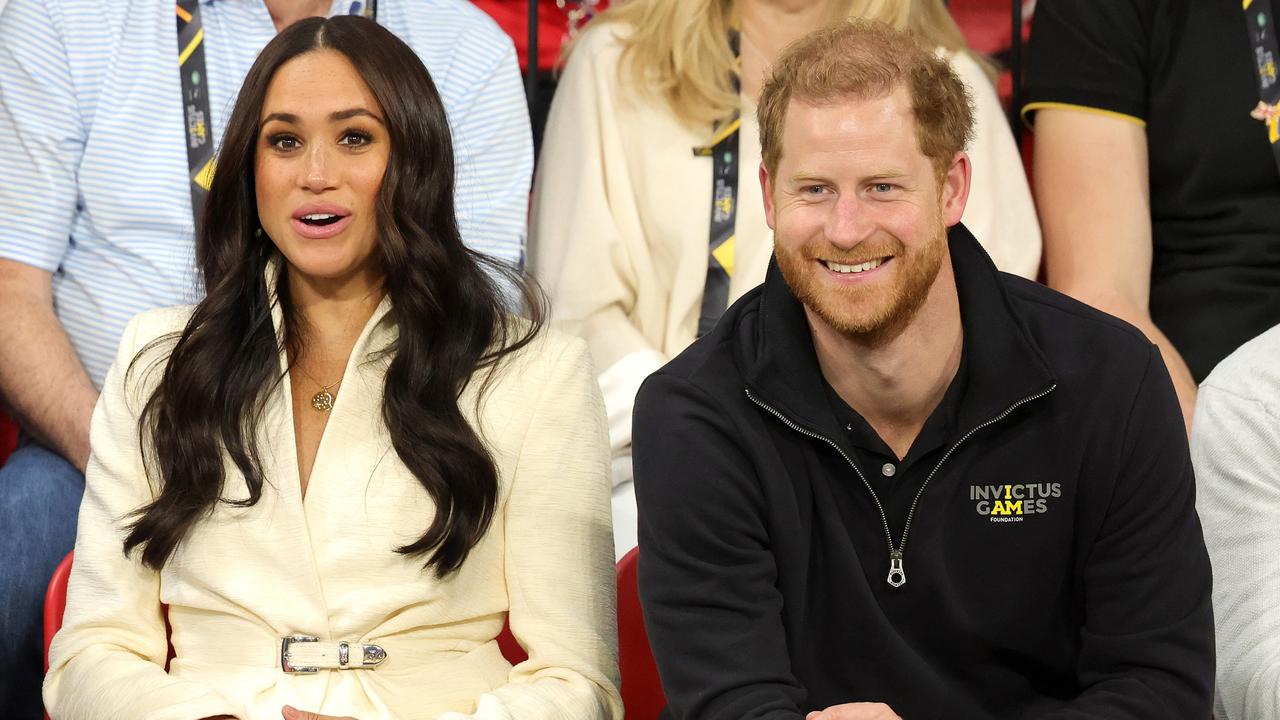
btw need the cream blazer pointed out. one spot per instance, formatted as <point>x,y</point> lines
<point>326,566</point>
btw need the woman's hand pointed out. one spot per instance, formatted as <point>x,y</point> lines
<point>292,713</point>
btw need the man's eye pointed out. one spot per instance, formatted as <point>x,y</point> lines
<point>882,187</point>
<point>814,190</point>
<point>354,138</point>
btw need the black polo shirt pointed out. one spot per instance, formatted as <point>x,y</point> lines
<point>1184,69</point>
<point>896,481</point>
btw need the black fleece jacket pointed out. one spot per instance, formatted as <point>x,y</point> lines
<point>1054,565</point>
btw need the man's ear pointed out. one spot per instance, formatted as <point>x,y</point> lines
<point>954,193</point>
<point>766,189</point>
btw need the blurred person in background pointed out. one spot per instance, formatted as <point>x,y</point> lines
<point>1235,445</point>
<point>1158,191</point>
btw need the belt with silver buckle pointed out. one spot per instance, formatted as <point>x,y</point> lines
<point>306,654</point>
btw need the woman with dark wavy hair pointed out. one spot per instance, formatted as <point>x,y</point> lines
<point>347,466</point>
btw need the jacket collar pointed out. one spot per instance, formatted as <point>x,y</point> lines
<point>1004,364</point>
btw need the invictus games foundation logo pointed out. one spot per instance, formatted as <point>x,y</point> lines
<point>1012,503</point>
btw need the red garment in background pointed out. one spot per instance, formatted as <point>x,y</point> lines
<point>553,27</point>
<point>988,28</point>
<point>8,437</point>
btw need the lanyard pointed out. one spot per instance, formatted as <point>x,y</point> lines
<point>193,71</point>
<point>723,151</point>
<point>195,103</point>
<point>1262,41</point>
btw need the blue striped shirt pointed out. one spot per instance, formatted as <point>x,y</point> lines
<point>93,165</point>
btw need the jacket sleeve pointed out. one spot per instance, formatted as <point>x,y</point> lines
<point>559,558</point>
<point>108,659</point>
<point>707,577</point>
<point>587,238</point>
<point>1235,444</point>
<point>1146,646</point>
<point>1000,212</point>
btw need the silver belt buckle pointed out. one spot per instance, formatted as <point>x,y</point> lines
<point>329,656</point>
<point>371,655</point>
<point>284,653</point>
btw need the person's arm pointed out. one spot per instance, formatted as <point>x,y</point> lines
<point>1146,644</point>
<point>42,381</point>
<point>587,237</point>
<point>493,152</point>
<point>1236,450</point>
<point>559,555</point>
<point>1000,212</point>
<point>108,659</point>
<point>712,608</point>
<point>1094,197</point>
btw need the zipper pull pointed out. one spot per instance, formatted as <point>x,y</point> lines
<point>897,576</point>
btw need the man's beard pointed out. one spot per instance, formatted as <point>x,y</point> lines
<point>870,316</point>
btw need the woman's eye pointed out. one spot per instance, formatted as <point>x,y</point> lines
<point>284,142</point>
<point>353,138</point>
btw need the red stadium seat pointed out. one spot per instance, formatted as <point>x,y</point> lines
<point>642,696</point>
<point>8,437</point>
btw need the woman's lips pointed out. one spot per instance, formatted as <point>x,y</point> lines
<point>320,232</point>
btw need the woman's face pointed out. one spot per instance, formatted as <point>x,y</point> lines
<point>321,154</point>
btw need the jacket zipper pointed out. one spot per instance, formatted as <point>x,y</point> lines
<point>897,572</point>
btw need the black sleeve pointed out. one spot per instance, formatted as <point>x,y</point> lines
<point>707,577</point>
<point>1092,54</point>
<point>1147,644</point>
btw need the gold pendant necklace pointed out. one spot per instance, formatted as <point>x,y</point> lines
<point>323,400</point>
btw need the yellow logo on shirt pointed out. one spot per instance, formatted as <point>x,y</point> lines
<point>1013,502</point>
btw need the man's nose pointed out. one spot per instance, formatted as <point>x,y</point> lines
<point>849,222</point>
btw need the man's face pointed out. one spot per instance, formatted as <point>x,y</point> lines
<point>860,214</point>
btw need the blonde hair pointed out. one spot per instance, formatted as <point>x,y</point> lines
<point>862,59</point>
<point>679,49</point>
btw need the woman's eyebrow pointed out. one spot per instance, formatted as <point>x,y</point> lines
<point>333,116</point>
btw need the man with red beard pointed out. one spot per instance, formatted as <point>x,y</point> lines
<point>894,481</point>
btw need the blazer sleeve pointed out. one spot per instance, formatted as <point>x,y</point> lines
<point>108,659</point>
<point>1000,213</point>
<point>588,243</point>
<point>559,558</point>
<point>1146,646</point>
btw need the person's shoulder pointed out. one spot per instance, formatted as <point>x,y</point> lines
<point>602,39</point>
<point>443,23</point>
<point>151,325</point>
<point>1252,371</point>
<point>965,65</point>
<point>544,354</point>
<point>713,366</point>
<point>1076,335</point>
